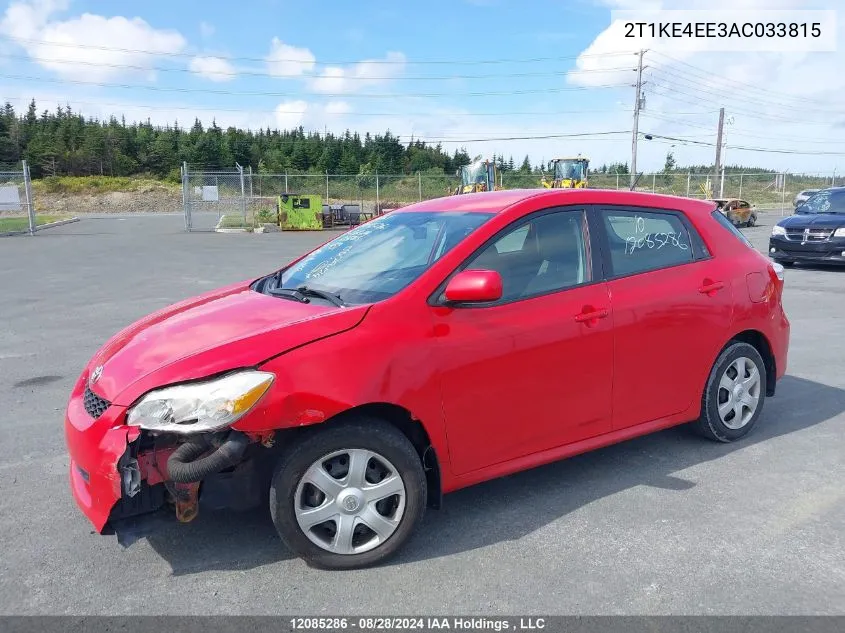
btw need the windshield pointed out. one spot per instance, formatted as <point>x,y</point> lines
<point>824,202</point>
<point>474,174</point>
<point>570,169</point>
<point>378,259</point>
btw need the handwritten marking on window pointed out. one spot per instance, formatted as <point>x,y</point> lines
<point>653,241</point>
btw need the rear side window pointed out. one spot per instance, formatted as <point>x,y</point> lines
<point>640,241</point>
<point>721,219</point>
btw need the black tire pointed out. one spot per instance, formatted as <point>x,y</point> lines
<point>710,424</point>
<point>371,434</point>
<point>751,221</point>
<point>786,263</point>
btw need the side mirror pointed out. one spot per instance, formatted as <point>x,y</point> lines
<point>474,286</point>
<point>801,209</point>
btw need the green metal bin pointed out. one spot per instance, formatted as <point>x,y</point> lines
<point>300,212</point>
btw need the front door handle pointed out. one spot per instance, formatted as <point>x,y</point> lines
<point>709,287</point>
<point>591,315</point>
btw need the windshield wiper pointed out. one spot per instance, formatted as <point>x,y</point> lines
<point>302,293</point>
<point>288,293</point>
<point>322,294</point>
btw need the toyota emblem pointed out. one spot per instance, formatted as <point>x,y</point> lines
<point>95,375</point>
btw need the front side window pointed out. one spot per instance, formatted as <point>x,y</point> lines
<point>378,259</point>
<point>545,254</point>
<point>640,241</point>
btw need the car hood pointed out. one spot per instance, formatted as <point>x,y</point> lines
<point>831,220</point>
<point>215,332</point>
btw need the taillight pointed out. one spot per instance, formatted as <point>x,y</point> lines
<point>777,275</point>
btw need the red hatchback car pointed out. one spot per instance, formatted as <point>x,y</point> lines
<point>435,347</point>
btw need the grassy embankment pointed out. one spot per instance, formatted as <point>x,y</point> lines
<point>21,223</point>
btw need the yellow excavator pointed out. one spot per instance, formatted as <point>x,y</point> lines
<point>568,173</point>
<point>480,175</point>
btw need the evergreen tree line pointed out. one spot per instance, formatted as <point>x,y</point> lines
<point>65,143</point>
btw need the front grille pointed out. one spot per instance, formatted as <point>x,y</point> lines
<point>813,235</point>
<point>94,404</point>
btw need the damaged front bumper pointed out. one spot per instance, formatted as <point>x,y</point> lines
<point>118,476</point>
<point>96,446</point>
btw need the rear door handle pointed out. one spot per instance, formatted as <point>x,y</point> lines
<point>711,287</point>
<point>592,315</point>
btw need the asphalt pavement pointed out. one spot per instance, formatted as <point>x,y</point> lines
<point>665,524</point>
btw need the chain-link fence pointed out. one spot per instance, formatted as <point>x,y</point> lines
<point>17,211</point>
<point>241,198</point>
<point>217,199</point>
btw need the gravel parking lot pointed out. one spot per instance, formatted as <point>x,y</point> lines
<point>666,524</point>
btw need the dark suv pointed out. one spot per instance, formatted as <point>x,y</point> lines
<point>815,233</point>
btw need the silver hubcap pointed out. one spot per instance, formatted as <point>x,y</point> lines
<point>350,501</point>
<point>739,393</point>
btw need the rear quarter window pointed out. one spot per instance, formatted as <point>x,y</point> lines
<point>728,225</point>
<point>640,241</point>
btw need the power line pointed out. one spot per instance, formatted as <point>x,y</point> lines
<point>449,62</point>
<point>520,138</point>
<point>751,102</point>
<point>735,132</point>
<point>706,74</point>
<point>671,92</point>
<point>749,149</point>
<point>251,73</point>
<point>322,94</point>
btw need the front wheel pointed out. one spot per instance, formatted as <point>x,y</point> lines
<point>350,495</point>
<point>734,395</point>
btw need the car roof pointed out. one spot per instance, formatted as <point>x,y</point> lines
<point>499,201</point>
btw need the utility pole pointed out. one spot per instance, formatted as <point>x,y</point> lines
<point>719,143</point>
<point>637,102</point>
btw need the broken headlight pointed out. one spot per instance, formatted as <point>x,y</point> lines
<point>200,406</point>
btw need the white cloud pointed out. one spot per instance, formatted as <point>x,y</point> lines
<point>285,60</point>
<point>332,80</point>
<point>290,114</point>
<point>206,29</point>
<point>73,48</point>
<point>798,89</point>
<point>367,73</point>
<point>212,68</point>
<point>337,107</point>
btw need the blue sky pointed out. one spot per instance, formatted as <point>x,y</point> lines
<point>366,66</point>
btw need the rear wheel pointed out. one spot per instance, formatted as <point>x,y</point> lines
<point>734,395</point>
<point>350,495</point>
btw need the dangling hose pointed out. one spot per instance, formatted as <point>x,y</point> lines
<point>186,466</point>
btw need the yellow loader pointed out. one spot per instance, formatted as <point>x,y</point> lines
<point>476,177</point>
<point>568,173</point>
